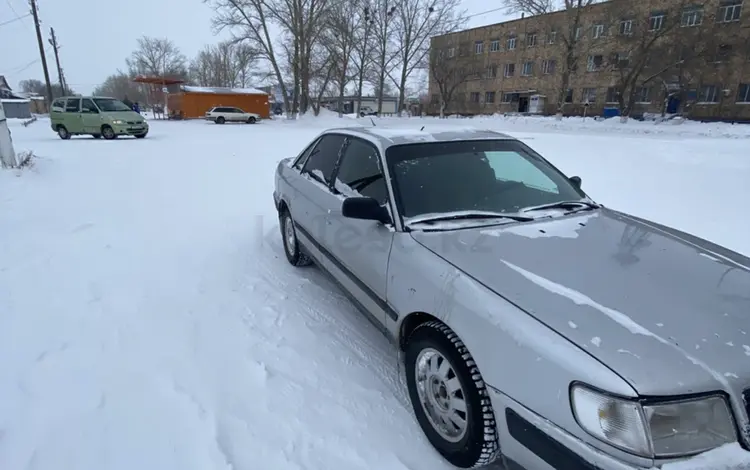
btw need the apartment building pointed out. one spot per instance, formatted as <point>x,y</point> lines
<point>629,56</point>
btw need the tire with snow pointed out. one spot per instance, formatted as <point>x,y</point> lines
<point>220,120</point>
<point>449,397</point>
<point>294,255</point>
<point>251,120</point>
<point>108,133</point>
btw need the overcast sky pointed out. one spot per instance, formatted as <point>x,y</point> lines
<point>96,36</point>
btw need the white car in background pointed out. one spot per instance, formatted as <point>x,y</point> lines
<point>222,114</point>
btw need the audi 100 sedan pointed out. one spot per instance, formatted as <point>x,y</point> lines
<point>535,326</point>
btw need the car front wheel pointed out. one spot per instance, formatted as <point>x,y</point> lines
<point>251,120</point>
<point>62,131</point>
<point>294,254</point>
<point>449,397</point>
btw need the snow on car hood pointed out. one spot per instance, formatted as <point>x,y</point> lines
<point>669,312</point>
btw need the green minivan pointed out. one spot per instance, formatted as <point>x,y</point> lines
<point>97,116</point>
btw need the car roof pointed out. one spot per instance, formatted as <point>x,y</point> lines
<point>389,137</point>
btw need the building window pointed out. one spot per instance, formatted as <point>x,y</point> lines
<point>598,31</point>
<point>620,60</point>
<point>611,95</point>
<point>451,52</point>
<point>509,70</point>
<point>474,97</point>
<point>729,10</point>
<point>692,16</point>
<point>578,33</point>
<point>511,43</point>
<point>708,94</point>
<point>510,97</point>
<point>552,37</point>
<point>548,66</point>
<point>569,96</point>
<point>723,53</point>
<point>743,93</point>
<point>489,97</point>
<point>492,71</point>
<point>495,45</point>
<point>528,69</point>
<point>478,47</point>
<point>626,27</point>
<point>588,95</point>
<point>594,63</point>
<point>643,95</point>
<point>435,99</point>
<point>656,21</point>
<point>530,39</point>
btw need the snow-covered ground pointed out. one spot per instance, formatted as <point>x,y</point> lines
<point>149,320</point>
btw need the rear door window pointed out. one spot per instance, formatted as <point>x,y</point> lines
<point>58,106</point>
<point>323,158</point>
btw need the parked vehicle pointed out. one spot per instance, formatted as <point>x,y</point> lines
<point>533,324</point>
<point>97,116</point>
<point>367,111</point>
<point>223,114</point>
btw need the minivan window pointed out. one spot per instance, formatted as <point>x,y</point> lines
<point>88,104</point>
<point>73,105</point>
<point>110,104</point>
<point>58,106</point>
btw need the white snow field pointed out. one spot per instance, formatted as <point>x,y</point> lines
<point>149,319</point>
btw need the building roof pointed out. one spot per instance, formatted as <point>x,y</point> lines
<point>398,136</point>
<point>157,80</point>
<point>15,100</point>
<point>222,90</point>
<point>4,83</point>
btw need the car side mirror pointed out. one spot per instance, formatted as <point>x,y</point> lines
<point>365,208</point>
<point>576,180</point>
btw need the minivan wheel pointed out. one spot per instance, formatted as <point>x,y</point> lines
<point>220,120</point>
<point>108,132</point>
<point>289,238</point>
<point>449,397</point>
<point>62,131</point>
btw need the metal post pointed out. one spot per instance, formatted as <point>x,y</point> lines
<point>7,153</point>
<point>41,51</point>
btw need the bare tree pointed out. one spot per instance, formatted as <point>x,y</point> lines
<point>642,54</point>
<point>569,31</point>
<point>385,48</point>
<point>251,21</point>
<point>157,57</point>
<point>448,74</point>
<point>342,24</point>
<point>38,87</point>
<point>416,22</point>
<point>323,70</point>
<point>227,64</point>
<point>363,51</point>
<point>121,86</point>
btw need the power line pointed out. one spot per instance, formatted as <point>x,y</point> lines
<point>17,18</point>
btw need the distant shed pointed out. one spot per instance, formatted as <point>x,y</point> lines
<point>16,108</point>
<point>194,102</point>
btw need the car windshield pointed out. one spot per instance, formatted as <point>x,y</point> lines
<point>496,176</point>
<point>110,104</point>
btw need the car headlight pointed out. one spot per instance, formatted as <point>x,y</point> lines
<point>658,430</point>
<point>117,121</point>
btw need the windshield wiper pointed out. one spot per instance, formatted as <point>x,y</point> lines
<point>576,205</point>
<point>466,215</point>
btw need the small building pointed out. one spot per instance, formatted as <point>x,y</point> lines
<point>350,104</point>
<point>194,102</point>
<point>15,106</point>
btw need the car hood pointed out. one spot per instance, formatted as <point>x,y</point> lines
<point>667,311</point>
<point>124,115</point>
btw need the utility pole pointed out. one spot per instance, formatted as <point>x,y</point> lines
<point>56,47</point>
<point>41,49</point>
